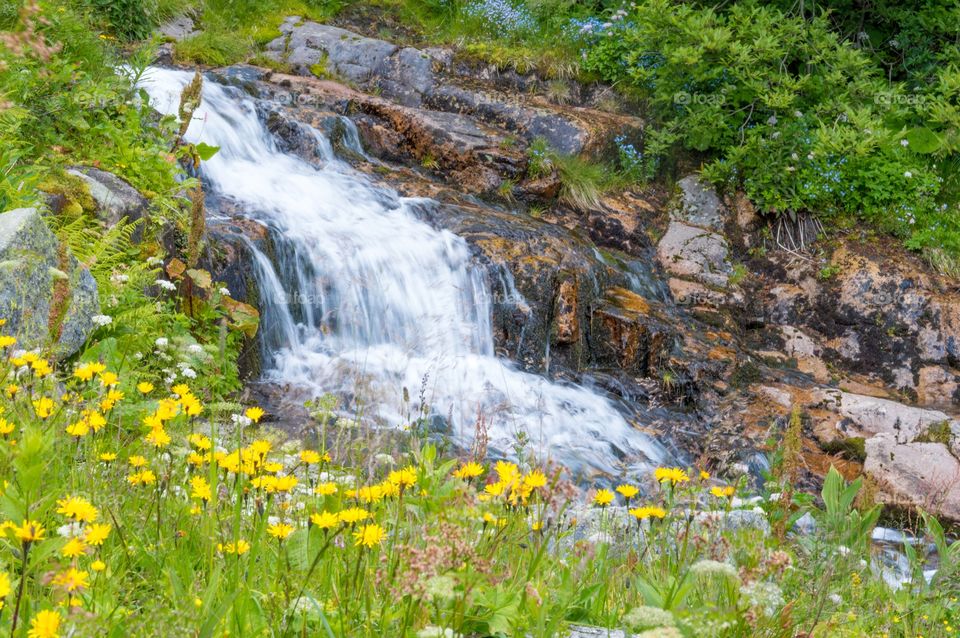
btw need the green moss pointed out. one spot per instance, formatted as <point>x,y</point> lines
<point>73,189</point>
<point>936,433</point>
<point>853,448</point>
<point>746,374</point>
<point>213,48</point>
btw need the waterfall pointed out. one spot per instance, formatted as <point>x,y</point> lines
<point>365,298</point>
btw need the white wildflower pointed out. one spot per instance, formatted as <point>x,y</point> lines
<point>189,373</point>
<point>162,342</point>
<point>101,320</point>
<point>708,568</point>
<point>154,261</point>
<point>907,174</point>
<point>195,348</point>
<point>646,617</point>
<point>224,291</point>
<point>165,284</point>
<point>904,142</point>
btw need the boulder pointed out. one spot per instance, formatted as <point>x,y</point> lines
<point>866,416</point>
<point>693,253</point>
<point>179,28</point>
<point>915,475</point>
<point>46,296</point>
<point>115,199</point>
<point>699,204</point>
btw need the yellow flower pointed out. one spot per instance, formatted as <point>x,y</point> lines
<point>72,580</point>
<point>254,414</point>
<point>603,498</point>
<point>239,548</point>
<point>200,441</point>
<point>325,489</point>
<point>369,535</point>
<point>6,341</point>
<point>641,513</point>
<point>108,379</point>
<point>181,390</point>
<point>723,492</point>
<point>673,475</point>
<point>43,407</point>
<point>46,624</point>
<point>325,520</point>
<point>704,476</point>
<point>74,547</point>
<point>137,461</point>
<point>145,477</point>
<point>11,390</point>
<point>41,367</point>
<point>97,534</point>
<point>107,457</point>
<point>4,587</point>
<point>280,531</point>
<point>78,429</point>
<point>370,494</point>
<point>197,460</point>
<point>6,427</point>
<point>494,489</point>
<point>84,372</point>
<point>144,387</point>
<point>404,477</point>
<point>167,409</point>
<point>77,508</point>
<point>191,405</point>
<point>30,531</point>
<point>535,479</point>
<point>95,420</point>
<point>98,565</point>
<point>628,491</point>
<point>158,437</point>
<point>469,470</point>
<point>200,488</point>
<point>353,515</point>
<point>310,457</point>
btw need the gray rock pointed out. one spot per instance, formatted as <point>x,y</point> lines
<point>355,57</point>
<point>115,198</point>
<point>694,253</point>
<point>179,28</point>
<point>699,204</point>
<point>866,416</point>
<point>915,475</point>
<point>584,631</point>
<point>32,263</point>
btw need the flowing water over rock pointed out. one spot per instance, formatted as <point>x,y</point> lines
<point>365,299</point>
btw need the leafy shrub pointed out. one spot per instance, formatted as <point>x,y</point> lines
<point>798,118</point>
<point>128,19</point>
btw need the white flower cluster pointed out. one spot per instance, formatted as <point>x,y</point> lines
<point>166,284</point>
<point>646,617</point>
<point>101,320</point>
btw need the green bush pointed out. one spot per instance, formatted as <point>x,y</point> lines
<point>128,19</point>
<point>799,118</point>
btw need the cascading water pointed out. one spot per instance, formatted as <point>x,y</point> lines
<point>365,298</point>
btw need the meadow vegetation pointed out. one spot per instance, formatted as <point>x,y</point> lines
<point>139,497</point>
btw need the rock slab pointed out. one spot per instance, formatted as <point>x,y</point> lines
<point>46,296</point>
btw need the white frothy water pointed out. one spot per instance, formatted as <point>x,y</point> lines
<point>364,298</point>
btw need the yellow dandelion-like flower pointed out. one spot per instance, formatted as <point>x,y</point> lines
<point>79,429</point>
<point>672,475</point>
<point>137,461</point>
<point>108,457</point>
<point>4,587</point>
<point>108,379</point>
<point>77,508</point>
<point>641,513</point>
<point>469,470</point>
<point>200,441</point>
<point>97,534</point>
<point>404,477</point>
<point>30,531</point>
<point>6,427</point>
<point>310,457</point>
<point>46,624</point>
<point>325,520</point>
<point>6,341</point>
<point>144,387</point>
<point>603,497</point>
<point>495,489</point>
<point>144,477</point>
<point>628,491</point>
<point>254,414</point>
<point>369,535</point>
<point>158,437</point>
<point>325,489</point>
<point>280,531</point>
<point>353,515</point>
<point>43,407</point>
<point>11,390</point>
<point>535,480</point>
<point>98,565</point>
<point>73,548</point>
<point>72,580</point>
<point>285,483</point>
<point>200,488</point>
<point>41,368</point>
<point>723,492</point>
<point>84,372</point>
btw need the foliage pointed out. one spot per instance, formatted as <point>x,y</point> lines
<point>800,118</point>
<point>198,520</point>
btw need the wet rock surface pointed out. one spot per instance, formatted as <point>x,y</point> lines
<point>673,303</point>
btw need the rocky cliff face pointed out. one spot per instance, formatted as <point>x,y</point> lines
<point>675,300</point>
